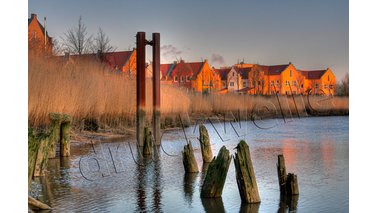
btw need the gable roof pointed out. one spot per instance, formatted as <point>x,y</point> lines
<point>40,25</point>
<point>243,71</point>
<point>223,72</point>
<point>166,69</point>
<point>273,69</point>
<point>188,68</point>
<point>312,74</point>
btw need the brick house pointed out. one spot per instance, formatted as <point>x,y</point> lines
<point>39,40</point>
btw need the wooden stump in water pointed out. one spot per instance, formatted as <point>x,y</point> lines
<point>216,175</point>
<point>281,171</point>
<point>245,175</point>
<point>56,119</point>
<point>65,136</point>
<point>33,146</point>
<point>190,163</point>
<point>207,154</point>
<point>42,156</point>
<point>292,184</point>
<point>288,182</point>
<point>147,141</point>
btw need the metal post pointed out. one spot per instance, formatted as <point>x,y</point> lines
<point>141,86</point>
<point>156,86</point>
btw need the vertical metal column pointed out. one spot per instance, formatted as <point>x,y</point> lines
<point>141,86</point>
<point>156,86</point>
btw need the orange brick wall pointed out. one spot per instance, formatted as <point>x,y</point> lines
<point>36,38</point>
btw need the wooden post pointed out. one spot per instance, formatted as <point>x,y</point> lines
<point>147,141</point>
<point>42,156</point>
<point>292,184</point>
<point>36,204</point>
<point>249,208</point>
<point>190,163</point>
<point>245,175</point>
<point>141,85</point>
<point>156,86</point>
<point>65,136</point>
<point>288,182</point>
<point>281,171</point>
<point>33,146</point>
<point>216,175</point>
<point>207,154</point>
<point>56,119</point>
<point>213,205</point>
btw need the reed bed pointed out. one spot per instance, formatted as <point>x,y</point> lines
<point>89,90</point>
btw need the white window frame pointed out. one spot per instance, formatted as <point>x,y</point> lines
<point>175,79</point>
<point>187,78</point>
<point>232,84</point>
<point>182,78</point>
<point>287,83</point>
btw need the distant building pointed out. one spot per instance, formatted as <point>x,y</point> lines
<point>121,62</point>
<point>319,82</point>
<point>39,40</point>
<point>195,76</point>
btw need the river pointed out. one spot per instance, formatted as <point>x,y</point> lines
<point>108,177</point>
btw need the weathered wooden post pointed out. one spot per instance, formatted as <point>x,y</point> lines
<point>141,86</point>
<point>281,171</point>
<point>216,175</point>
<point>65,136</point>
<point>245,175</point>
<point>42,155</point>
<point>190,163</point>
<point>207,154</point>
<point>288,182</point>
<point>147,141</point>
<point>56,119</point>
<point>156,86</point>
<point>33,146</point>
<point>292,184</point>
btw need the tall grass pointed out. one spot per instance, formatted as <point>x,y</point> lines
<point>88,90</point>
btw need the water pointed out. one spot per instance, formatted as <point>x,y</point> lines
<point>316,149</point>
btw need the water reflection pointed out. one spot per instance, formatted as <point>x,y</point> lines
<point>249,208</point>
<point>189,180</point>
<point>288,203</point>
<point>146,165</point>
<point>213,204</point>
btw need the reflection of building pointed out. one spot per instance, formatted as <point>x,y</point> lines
<point>38,39</point>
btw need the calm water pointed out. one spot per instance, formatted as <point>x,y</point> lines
<point>317,149</point>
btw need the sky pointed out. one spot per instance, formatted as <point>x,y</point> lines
<point>311,34</point>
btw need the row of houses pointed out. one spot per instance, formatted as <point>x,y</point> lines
<point>200,76</point>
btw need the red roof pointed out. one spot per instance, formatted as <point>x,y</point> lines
<point>187,69</point>
<point>223,72</point>
<point>164,68</point>
<point>117,59</point>
<point>244,72</point>
<point>312,74</point>
<point>272,70</point>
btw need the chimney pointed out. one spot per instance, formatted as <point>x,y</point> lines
<point>33,15</point>
<point>44,26</point>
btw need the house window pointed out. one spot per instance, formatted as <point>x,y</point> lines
<point>301,85</point>
<point>187,78</point>
<point>287,83</point>
<point>271,83</point>
<point>278,83</point>
<point>259,83</point>
<point>294,83</point>
<point>294,92</point>
<point>291,74</point>
<point>224,84</point>
<point>231,84</point>
<point>316,85</point>
<point>328,77</point>
<point>244,84</point>
<point>34,36</point>
<point>182,78</point>
<point>325,86</point>
<point>287,92</point>
<point>233,74</point>
<point>176,78</point>
<point>331,86</point>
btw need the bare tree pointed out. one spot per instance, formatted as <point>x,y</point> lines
<point>76,40</point>
<point>102,42</point>
<point>342,87</point>
<point>58,48</point>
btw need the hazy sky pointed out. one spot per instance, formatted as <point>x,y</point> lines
<point>312,34</point>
